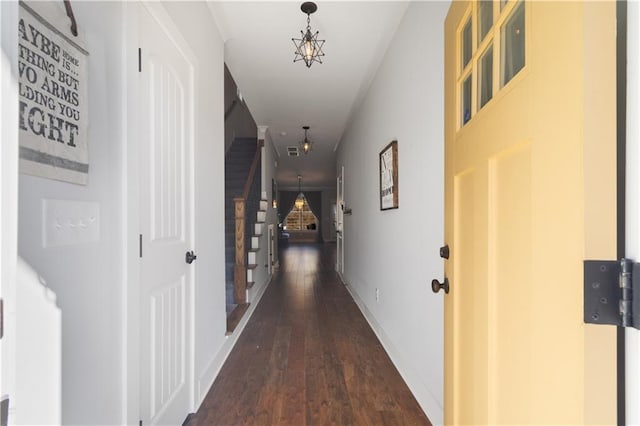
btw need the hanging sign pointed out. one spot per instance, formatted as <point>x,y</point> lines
<point>389,177</point>
<point>53,80</point>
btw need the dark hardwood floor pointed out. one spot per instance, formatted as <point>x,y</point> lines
<point>308,357</point>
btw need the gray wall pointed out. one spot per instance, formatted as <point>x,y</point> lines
<point>396,251</point>
<point>240,122</point>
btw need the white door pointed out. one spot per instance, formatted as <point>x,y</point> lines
<point>166,221</point>
<point>8,201</point>
<point>340,223</point>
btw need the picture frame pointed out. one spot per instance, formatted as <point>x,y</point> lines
<point>389,176</point>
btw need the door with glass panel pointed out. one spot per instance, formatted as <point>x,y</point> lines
<point>530,162</point>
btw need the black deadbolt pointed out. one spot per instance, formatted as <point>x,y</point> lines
<point>190,257</point>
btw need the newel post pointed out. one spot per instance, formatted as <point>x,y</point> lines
<point>239,269</point>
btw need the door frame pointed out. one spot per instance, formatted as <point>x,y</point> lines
<point>130,373</point>
<point>340,207</point>
<point>271,248</point>
<point>629,371</point>
<point>8,194</point>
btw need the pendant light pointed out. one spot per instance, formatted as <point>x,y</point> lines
<point>299,201</point>
<point>306,145</point>
<point>308,47</point>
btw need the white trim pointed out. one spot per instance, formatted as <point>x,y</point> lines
<point>632,249</point>
<point>131,226</point>
<point>8,194</point>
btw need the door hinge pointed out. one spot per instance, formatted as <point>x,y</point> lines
<point>139,59</point>
<point>140,244</point>
<point>612,292</point>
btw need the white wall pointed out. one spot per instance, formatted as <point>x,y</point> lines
<point>8,193</point>
<point>396,251</point>
<point>87,277</point>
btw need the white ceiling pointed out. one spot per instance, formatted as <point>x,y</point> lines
<point>284,95</point>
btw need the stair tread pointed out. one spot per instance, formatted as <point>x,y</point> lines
<point>252,266</point>
<point>250,284</point>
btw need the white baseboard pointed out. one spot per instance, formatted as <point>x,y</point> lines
<point>206,379</point>
<point>427,401</point>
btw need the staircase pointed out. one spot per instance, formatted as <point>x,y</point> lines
<point>245,203</point>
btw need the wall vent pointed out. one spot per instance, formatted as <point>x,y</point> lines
<point>292,151</point>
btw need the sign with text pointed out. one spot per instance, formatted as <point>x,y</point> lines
<point>53,80</point>
<point>389,177</point>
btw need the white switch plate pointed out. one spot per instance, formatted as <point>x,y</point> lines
<point>70,222</point>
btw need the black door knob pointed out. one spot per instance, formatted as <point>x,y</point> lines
<point>190,257</point>
<point>437,285</point>
<point>444,252</point>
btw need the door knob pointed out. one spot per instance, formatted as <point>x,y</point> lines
<point>190,257</point>
<point>444,252</point>
<point>437,285</point>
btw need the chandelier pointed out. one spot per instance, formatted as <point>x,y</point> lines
<point>308,47</point>
<point>306,145</point>
<point>300,200</point>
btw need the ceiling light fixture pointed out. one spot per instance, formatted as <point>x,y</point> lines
<point>308,47</point>
<point>299,201</point>
<point>306,145</point>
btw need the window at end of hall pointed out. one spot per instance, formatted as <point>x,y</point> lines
<point>499,28</point>
<point>300,217</point>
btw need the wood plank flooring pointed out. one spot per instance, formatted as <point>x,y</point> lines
<point>308,357</point>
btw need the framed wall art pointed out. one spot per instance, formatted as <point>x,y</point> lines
<point>389,177</point>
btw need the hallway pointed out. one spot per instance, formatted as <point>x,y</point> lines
<point>308,356</point>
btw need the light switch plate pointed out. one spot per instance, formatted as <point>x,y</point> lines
<point>70,222</point>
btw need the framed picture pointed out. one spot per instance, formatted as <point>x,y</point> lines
<point>389,177</point>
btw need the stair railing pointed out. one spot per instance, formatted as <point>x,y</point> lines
<point>246,207</point>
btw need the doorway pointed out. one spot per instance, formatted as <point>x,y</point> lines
<point>340,222</point>
<point>164,110</point>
